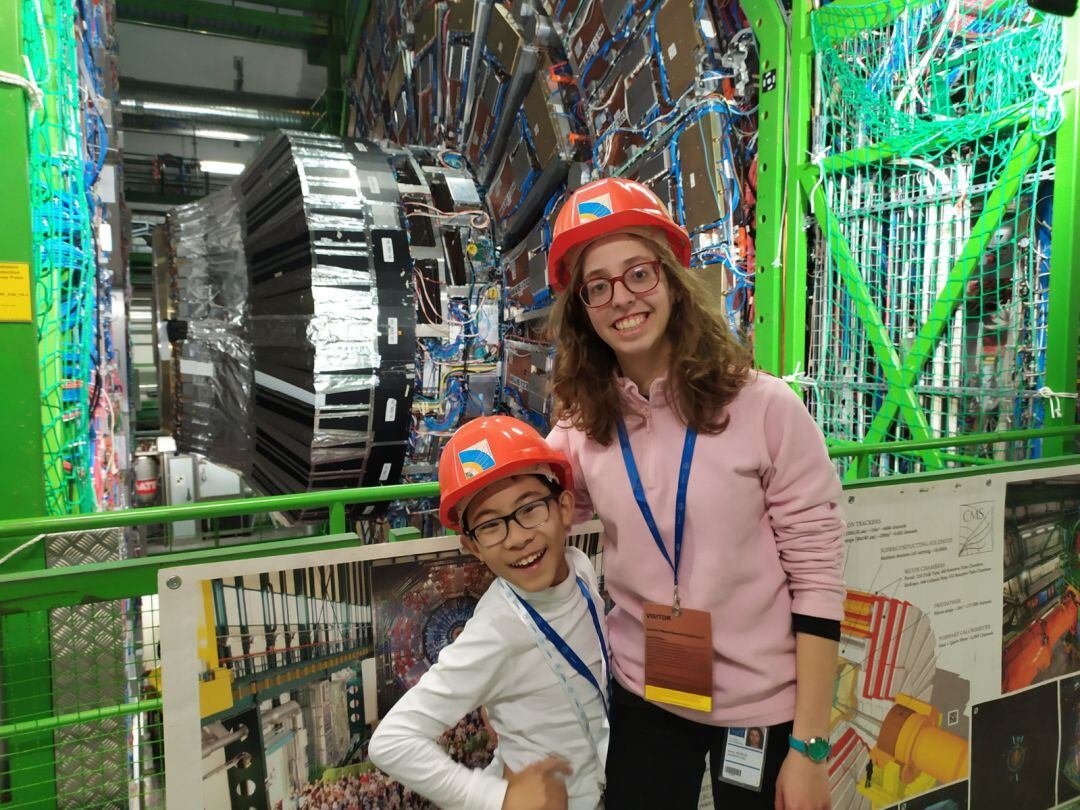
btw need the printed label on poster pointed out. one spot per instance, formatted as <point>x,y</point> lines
<point>15,299</point>
<point>931,547</point>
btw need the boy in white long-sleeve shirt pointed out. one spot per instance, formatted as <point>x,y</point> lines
<point>533,653</point>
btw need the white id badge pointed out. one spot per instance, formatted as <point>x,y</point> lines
<point>744,757</point>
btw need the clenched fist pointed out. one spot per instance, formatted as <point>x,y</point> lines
<point>541,786</point>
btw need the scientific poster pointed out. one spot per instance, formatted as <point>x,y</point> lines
<point>919,638</point>
<point>1041,574</point>
<point>420,606</point>
<point>265,692</point>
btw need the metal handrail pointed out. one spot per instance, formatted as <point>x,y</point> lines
<point>853,449</point>
<point>43,589</point>
<point>99,582</point>
<point>336,500</point>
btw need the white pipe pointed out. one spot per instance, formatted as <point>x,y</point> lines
<point>218,743</point>
<point>279,713</point>
<point>962,231</point>
<point>937,258</point>
<point>224,766</point>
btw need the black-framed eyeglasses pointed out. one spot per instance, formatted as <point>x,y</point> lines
<point>640,278</point>
<point>495,530</point>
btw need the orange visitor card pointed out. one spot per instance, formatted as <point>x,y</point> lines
<point>678,657</point>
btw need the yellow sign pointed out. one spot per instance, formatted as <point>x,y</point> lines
<point>15,301</point>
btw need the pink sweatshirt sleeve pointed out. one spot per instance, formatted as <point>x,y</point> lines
<point>560,439</point>
<point>802,497</point>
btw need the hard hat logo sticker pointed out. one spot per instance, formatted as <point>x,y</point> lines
<point>474,460</point>
<point>597,207</point>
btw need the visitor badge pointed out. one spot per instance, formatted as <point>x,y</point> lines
<point>744,757</point>
<point>678,657</point>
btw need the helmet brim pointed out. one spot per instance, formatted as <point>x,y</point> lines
<point>559,273</point>
<point>451,510</point>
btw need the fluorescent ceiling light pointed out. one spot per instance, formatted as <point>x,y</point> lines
<point>195,109</point>
<point>223,135</point>
<point>221,167</point>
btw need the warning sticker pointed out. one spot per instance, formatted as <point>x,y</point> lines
<point>15,301</point>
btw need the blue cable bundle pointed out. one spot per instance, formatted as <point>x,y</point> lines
<point>695,115</point>
<point>455,406</point>
<point>444,351</point>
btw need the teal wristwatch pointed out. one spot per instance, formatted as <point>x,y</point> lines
<point>816,748</point>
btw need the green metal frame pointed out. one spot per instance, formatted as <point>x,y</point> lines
<point>901,378</point>
<point>796,259</point>
<point>31,757</point>
<point>780,340</point>
<point>1064,299</point>
<point>769,319</point>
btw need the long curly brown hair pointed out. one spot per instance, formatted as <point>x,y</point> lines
<point>708,363</point>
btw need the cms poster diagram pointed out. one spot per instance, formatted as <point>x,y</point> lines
<point>919,639</point>
<point>419,607</point>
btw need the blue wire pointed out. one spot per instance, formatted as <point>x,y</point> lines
<point>1044,216</point>
<point>658,55</point>
<point>545,222</point>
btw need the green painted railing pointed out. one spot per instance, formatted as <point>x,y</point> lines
<point>335,500</point>
<point>29,592</point>
<point>98,582</point>
<point>75,718</point>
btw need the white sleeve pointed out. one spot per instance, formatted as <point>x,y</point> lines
<point>404,744</point>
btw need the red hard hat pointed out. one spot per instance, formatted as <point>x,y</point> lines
<point>603,207</point>
<point>486,450</point>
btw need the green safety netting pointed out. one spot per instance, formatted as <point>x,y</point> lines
<point>64,260</point>
<point>932,200</point>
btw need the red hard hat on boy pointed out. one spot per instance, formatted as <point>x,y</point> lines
<point>486,450</point>
<point>603,207</point>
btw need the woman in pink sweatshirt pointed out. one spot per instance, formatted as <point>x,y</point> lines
<point>723,542</point>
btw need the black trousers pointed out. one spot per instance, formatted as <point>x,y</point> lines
<point>656,760</point>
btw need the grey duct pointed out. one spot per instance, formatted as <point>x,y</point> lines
<point>483,19</point>
<point>520,82</point>
<point>211,106</point>
<point>537,28</point>
<point>215,129</point>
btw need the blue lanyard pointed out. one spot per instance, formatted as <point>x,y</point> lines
<point>565,649</point>
<point>680,497</point>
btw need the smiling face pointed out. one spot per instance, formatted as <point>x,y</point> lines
<point>531,559</point>
<point>634,325</point>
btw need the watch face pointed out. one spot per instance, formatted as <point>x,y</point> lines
<point>817,748</point>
